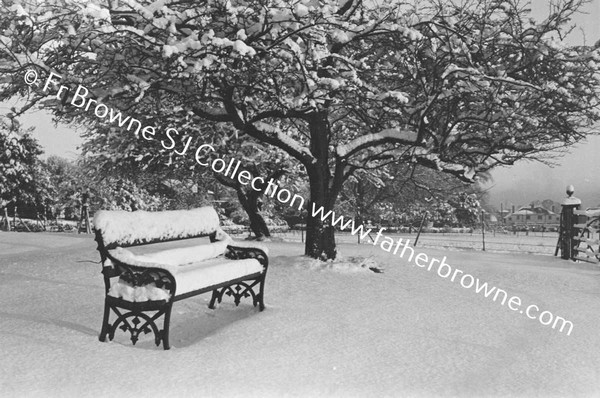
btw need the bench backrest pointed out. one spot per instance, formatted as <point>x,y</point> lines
<point>124,228</point>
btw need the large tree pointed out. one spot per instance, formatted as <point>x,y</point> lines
<point>22,179</point>
<point>339,85</point>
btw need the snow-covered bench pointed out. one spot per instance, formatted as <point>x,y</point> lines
<point>142,287</point>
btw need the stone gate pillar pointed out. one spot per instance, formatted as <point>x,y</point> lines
<point>568,220</point>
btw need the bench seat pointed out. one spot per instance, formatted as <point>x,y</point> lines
<point>190,277</point>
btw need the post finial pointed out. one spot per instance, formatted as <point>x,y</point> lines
<point>571,200</point>
<point>570,190</point>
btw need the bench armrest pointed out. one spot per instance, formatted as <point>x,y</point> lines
<point>248,244</point>
<point>139,275</point>
<point>240,252</point>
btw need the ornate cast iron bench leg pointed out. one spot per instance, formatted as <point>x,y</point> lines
<point>105,325</point>
<point>261,294</point>
<point>213,299</point>
<point>166,324</point>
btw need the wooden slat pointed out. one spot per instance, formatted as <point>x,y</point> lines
<point>587,250</point>
<point>587,260</point>
<point>589,241</point>
<point>587,228</point>
<point>588,213</point>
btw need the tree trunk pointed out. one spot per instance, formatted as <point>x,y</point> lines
<point>320,240</point>
<point>250,203</point>
<point>320,235</point>
<point>259,226</point>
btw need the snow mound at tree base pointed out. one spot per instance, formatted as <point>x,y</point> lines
<point>340,264</point>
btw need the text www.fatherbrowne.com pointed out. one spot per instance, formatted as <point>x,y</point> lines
<point>444,270</point>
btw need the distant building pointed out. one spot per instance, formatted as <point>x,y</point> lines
<point>532,215</point>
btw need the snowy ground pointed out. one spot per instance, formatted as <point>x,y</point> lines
<point>405,332</point>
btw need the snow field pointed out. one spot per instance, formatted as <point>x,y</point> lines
<point>325,332</point>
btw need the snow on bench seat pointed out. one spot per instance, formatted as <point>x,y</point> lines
<point>122,289</point>
<point>194,268</point>
<point>189,277</point>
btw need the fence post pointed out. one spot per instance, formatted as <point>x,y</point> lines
<point>420,229</point>
<point>84,217</point>
<point>7,219</point>
<point>568,220</point>
<point>483,229</point>
<point>560,234</point>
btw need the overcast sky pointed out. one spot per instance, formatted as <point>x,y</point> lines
<point>527,181</point>
<point>520,184</point>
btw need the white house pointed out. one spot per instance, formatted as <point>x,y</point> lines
<point>532,215</point>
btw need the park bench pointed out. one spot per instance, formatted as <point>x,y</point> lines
<point>141,288</point>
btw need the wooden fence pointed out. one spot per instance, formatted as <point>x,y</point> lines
<point>586,239</point>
